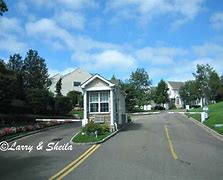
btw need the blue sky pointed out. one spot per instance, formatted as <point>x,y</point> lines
<point>166,37</point>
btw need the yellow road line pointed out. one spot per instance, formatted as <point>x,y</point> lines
<point>72,163</point>
<point>170,144</point>
<point>78,163</point>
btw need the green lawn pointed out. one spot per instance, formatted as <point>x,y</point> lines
<point>215,116</point>
<point>79,113</point>
<point>87,138</point>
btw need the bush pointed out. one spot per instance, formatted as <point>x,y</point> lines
<point>62,105</point>
<point>92,127</point>
<point>159,108</point>
<point>195,106</point>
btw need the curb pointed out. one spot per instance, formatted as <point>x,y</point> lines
<point>101,141</point>
<point>145,113</point>
<point>31,133</point>
<point>206,128</point>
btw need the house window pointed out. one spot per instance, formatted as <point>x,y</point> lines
<point>99,102</point>
<point>76,83</point>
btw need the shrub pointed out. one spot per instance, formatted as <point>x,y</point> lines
<point>91,127</point>
<point>159,108</point>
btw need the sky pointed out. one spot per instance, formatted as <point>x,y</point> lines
<point>167,38</point>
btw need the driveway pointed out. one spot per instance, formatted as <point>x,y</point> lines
<point>142,151</point>
<point>163,146</point>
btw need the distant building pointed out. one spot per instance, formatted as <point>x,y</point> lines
<point>173,92</point>
<point>70,81</point>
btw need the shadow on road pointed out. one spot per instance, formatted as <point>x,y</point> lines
<point>133,126</point>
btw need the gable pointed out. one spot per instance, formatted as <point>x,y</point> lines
<point>97,83</point>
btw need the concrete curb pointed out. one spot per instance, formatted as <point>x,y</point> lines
<point>206,128</point>
<point>145,113</point>
<point>32,132</point>
<point>101,141</point>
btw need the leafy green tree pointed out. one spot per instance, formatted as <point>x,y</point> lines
<point>7,87</point>
<point>63,105</point>
<point>58,87</point>
<point>36,72</point>
<point>40,100</point>
<point>16,65</point>
<point>208,82</point>
<point>161,93</point>
<point>76,98</point>
<point>189,92</point>
<point>3,7</point>
<point>139,84</point>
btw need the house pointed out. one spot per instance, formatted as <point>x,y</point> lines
<point>173,92</point>
<point>70,81</point>
<point>104,102</point>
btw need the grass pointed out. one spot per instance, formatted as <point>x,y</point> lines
<point>79,113</point>
<point>79,138</point>
<point>215,116</point>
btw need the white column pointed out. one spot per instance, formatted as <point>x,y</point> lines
<point>112,107</point>
<point>84,121</point>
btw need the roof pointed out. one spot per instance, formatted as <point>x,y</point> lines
<point>93,78</point>
<point>175,85</point>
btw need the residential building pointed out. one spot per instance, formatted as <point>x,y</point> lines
<point>173,92</point>
<point>104,102</point>
<point>70,81</point>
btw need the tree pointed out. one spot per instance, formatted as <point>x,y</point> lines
<point>161,93</point>
<point>208,82</point>
<point>76,98</point>
<point>3,7</point>
<point>62,105</point>
<point>40,101</point>
<point>139,83</point>
<point>189,92</point>
<point>7,87</point>
<point>36,72</point>
<point>16,65</point>
<point>58,87</point>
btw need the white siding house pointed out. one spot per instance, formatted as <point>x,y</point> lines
<point>173,92</point>
<point>70,81</point>
<point>104,102</point>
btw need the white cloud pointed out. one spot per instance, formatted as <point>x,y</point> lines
<point>217,20</point>
<point>160,55</point>
<point>12,45</point>
<point>146,10</point>
<point>48,29</point>
<point>106,60</point>
<point>70,19</point>
<point>10,25</point>
<point>77,4</point>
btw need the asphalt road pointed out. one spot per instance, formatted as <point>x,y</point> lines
<point>40,164</point>
<point>141,151</point>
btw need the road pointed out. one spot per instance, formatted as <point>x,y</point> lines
<point>157,147</point>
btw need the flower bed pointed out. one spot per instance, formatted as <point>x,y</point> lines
<point>9,131</point>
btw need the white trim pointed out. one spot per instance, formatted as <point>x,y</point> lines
<point>99,77</point>
<point>98,102</point>
<point>104,88</point>
<point>112,107</point>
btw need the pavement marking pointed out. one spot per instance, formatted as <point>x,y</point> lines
<point>170,144</point>
<point>74,163</point>
<point>78,163</point>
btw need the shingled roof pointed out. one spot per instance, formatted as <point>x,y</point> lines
<point>175,85</point>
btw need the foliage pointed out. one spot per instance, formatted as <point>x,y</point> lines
<point>40,100</point>
<point>76,98</point>
<point>62,105</point>
<point>3,7</point>
<point>35,71</point>
<point>137,89</point>
<point>58,87</point>
<point>189,92</point>
<point>91,128</point>
<point>16,65</point>
<point>7,87</point>
<point>161,93</point>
